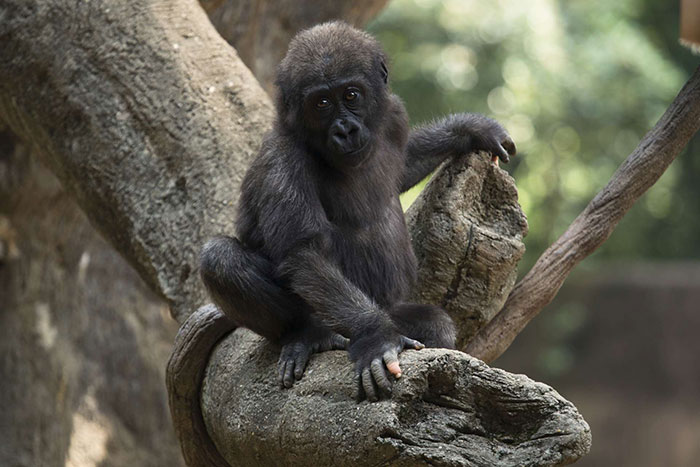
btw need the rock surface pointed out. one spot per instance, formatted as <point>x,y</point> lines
<point>448,409</point>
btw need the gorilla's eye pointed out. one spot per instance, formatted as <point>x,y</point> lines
<point>350,95</point>
<point>323,103</point>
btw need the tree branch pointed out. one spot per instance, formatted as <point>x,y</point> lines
<point>595,224</point>
<point>193,345</point>
<point>146,115</point>
<point>260,30</point>
<point>447,409</point>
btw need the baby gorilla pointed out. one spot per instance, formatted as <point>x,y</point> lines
<point>323,258</point>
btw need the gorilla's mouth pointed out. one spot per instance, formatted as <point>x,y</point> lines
<point>358,151</point>
<point>355,158</point>
<point>349,149</point>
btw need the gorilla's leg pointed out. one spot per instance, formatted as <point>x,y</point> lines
<point>241,283</point>
<point>428,324</point>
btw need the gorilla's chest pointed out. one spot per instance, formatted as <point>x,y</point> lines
<point>376,255</point>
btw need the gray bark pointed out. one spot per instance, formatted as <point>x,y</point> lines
<point>467,229</point>
<point>448,409</point>
<point>188,362</point>
<point>147,117</point>
<point>260,30</point>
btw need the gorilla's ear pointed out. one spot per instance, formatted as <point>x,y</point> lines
<point>384,72</point>
<point>286,107</point>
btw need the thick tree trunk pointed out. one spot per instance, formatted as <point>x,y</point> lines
<point>109,94</point>
<point>260,30</point>
<point>147,117</point>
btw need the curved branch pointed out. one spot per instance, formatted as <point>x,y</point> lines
<point>146,115</point>
<point>183,376</point>
<point>595,224</point>
<point>447,409</point>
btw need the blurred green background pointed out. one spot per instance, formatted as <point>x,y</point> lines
<point>578,84</point>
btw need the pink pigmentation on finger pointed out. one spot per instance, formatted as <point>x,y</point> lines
<point>394,369</point>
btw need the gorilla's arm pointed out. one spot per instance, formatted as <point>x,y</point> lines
<point>336,301</point>
<point>340,305</point>
<point>454,135</point>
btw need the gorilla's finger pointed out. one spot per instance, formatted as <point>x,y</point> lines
<point>509,145</point>
<point>500,151</point>
<point>300,364</point>
<point>391,358</point>
<point>503,153</point>
<point>281,367</point>
<point>409,343</point>
<point>368,385</point>
<point>380,377</point>
<point>289,374</point>
<point>339,342</point>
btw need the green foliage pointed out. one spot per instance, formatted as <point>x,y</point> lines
<point>577,84</point>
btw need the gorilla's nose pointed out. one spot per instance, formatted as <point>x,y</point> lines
<point>344,131</point>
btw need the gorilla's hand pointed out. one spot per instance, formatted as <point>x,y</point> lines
<point>298,348</point>
<point>373,354</point>
<point>488,135</point>
<point>455,135</point>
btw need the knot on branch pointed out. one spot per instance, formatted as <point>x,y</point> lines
<point>467,229</point>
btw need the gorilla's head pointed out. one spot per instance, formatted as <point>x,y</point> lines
<point>332,92</point>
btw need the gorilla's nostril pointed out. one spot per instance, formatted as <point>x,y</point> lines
<point>340,135</point>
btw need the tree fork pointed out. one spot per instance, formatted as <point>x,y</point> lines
<point>594,225</point>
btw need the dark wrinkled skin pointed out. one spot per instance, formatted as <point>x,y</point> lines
<point>322,258</point>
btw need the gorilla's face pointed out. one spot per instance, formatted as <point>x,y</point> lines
<point>332,93</point>
<point>335,116</point>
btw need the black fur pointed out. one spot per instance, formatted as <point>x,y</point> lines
<point>324,259</point>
